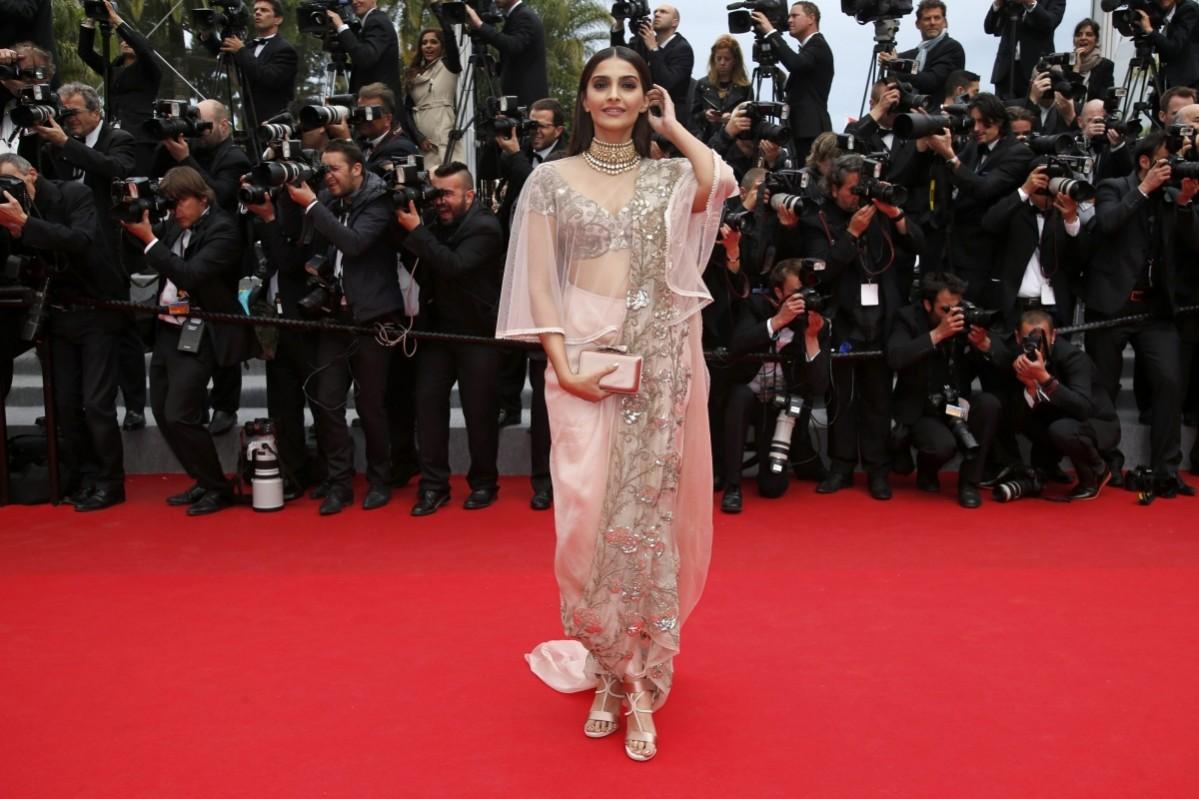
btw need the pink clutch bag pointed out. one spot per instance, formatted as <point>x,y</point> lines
<point>627,377</point>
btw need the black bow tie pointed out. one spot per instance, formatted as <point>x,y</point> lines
<point>257,42</point>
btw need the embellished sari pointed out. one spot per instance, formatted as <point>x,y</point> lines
<point>617,261</point>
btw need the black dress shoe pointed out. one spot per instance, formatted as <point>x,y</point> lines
<point>211,502</point>
<point>78,496</point>
<point>1176,487</point>
<point>100,499</point>
<point>376,497</point>
<point>1081,493</point>
<point>834,483</point>
<point>878,486</point>
<point>336,500</point>
<point>480,498</point>
<point>543,499</point>
<point>927,480</point>
<point>508,417</point>
<point>814,471</point>
<point>320,490</point>
<point>133,421</point>
<point>222,422</point>
<point>968,496</point>
<point>188,497</point>
<point>429,502</point>
<point>731,501</point>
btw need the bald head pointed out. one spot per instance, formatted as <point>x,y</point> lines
<point>1187,115</point>
<point>666,19</point>
<point>215,112</point>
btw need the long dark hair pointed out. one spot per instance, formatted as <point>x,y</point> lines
<point>583,130</point>
<point>418,64</point>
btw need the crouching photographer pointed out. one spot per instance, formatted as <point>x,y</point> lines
<point>346,250</point>
<point>776,397</point>
<point>52,238</point>
<point>197,254</point>
<point>934,410</point>
<point>1058,401</point>
<point>459,259</point>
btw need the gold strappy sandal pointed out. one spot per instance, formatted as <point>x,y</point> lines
<point>603,715</point>
<point>633,692</point>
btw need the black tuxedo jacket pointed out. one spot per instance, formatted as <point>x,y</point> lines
<point>392,145</point>
<point>522,54</point>
<point>809,80</point>
<point>113,157</point>
<point>971,251</point>
<point>1053,123</point>
<point>1079,394</point>
<point>728,290</point>
<point>750,335</point>
<point>208,271</point>
<point>670,66</point>
<point>460,272</point>
<point>132,88</point>
<point>1013,223</point>
<point>946,57</point>
<point>515,169</point>
<point>270,78</point>
<point>64,228</point>
<point>1033,32</point>
<point>906,167</point>
<point>221,166</point>
<point>1123,245</point>
<point>910,354</point>
<point>1100,79</point>
<point>1175,46</point>
<point>374,53</point>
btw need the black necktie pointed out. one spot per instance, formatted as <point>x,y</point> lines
<point>256,42</point>
<point>537,159</point>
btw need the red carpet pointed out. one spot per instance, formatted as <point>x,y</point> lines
<point>845,648</point>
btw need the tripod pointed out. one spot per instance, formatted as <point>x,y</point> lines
<point>884,42</point>
<point>338,66</point>
<point>1141,78</point>
<point>479,72</point>
<point>768,68</point>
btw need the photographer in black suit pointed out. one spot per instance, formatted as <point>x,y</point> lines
<point>374,47</point>
<point>268,63</point>
<point>1112,154</point>
<point>1058,400</point>
<point>668,54</point>
<point>937,56</point>
<point>1025,30</point>
<point>1145,230</point>
<point>522,49</point>
<point>860,241</point>
<point>133,80</point>
<point>928,349</point>
<point>1042,250</point>
<point>809,73</point>
<point>213,154</point>
<point>460,266</point>
<point>1174,43</point>
<point>379,136</point>
<point>197,254</point>
<point>991,165</point>
<point>780,323</point>
<point>56,223</point>
<point>346,245</point>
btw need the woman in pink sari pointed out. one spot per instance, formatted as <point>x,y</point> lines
<point>607,252</point>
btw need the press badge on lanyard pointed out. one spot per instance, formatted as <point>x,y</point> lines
<point>869,294</point>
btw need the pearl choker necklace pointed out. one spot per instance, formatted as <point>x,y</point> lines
<point>611,159</point>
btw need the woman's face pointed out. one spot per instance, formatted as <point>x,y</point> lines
<point>614,98</point>
<point>1085,40</point>
<point>723,60</point>
<point>430,47</point>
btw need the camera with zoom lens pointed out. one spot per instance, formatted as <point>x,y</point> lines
<point>975,316</point>
<point>503,115</point>
<point>734,217</point>
<point>741,21</point>
<point>26,75</point>
<point>264,180</point>
<point>1061,170</point>
<point>945,405</point>
<point>323,289</point>
<point>334,110</point>
<point>1033,344</point>
<point>760,114</point>
<point>1127,21</point>
<point>909,99</point>
<point>408,182</point>
<point>872,10</point>
<point>1181,169</point>
<point>175,118</point>
<point>225,18</point>
<point>133,197</point>
<point>455,12</point>
<point>631,9</point>
<point>871,186</point>
<point>1024,483</point>
<point>779,455</point>
<point>954,118</point>
<point>311,17</point>
<point>94,9</point>
<point>1177,136</point>
<point>37,105</point>
<point>788,189</point>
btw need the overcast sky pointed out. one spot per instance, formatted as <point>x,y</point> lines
<point>704,20</point>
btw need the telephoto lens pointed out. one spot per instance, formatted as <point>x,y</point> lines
<point>1028,484</point>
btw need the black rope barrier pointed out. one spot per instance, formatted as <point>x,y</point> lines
<point>717,356</point>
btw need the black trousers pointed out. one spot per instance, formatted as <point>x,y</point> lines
<point>343,361</point>
<point>178,395</point>
<point>226,389</point>
<point>539,427</point>
<point>935,443</point>
<point>476,370</point>
<point>742,409</point>
<point>1157,349</point>
<point>401,411</point>
<point>1081,442</point>
<point>860,416</point>
<point>286,374</point>
<point>131,354</point>
<point>85,346</point>
<point>514,364</point>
